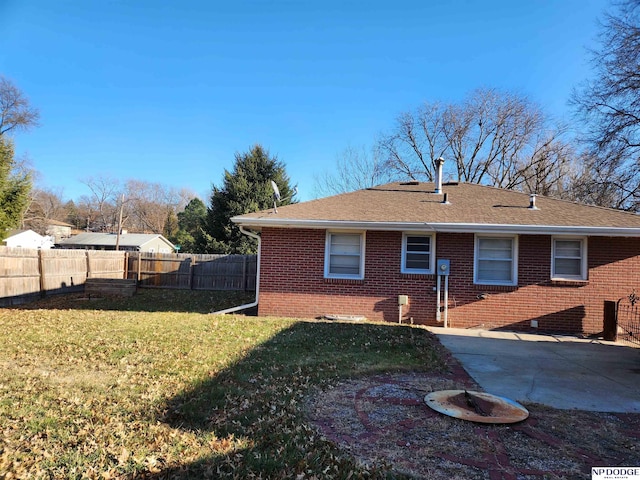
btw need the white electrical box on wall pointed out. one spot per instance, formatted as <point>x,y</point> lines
<point>403,299</point>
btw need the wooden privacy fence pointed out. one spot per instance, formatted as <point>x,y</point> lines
<point>191,271</point>
<point>26,274</point>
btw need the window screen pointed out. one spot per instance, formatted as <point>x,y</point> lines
<point>417,252</point>
<point>568,259</point>
<point>495,260</point>
<point>345,255</point>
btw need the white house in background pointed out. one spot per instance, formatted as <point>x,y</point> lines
<point>28,239</point>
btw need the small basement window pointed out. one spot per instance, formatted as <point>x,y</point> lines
<point>569,258</point>
<point>344,255</point>
<point>417,253</point>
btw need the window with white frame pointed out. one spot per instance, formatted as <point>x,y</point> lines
<point>417,253</point>
<point>344,255</point>
<point>569,258</point>
<point>496,260</point>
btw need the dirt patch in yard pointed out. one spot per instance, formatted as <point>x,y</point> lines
<point>384,419</point>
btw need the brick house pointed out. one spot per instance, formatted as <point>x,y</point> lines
<point>511,260</point>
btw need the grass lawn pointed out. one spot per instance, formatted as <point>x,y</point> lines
<point>153,387</point>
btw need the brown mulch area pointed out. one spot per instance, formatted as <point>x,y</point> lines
<point>384,419</point>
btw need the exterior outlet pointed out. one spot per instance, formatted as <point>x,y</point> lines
<point>534,323</point>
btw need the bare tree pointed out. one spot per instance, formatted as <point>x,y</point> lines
<point>609,106</point>
<point>184,197</point>
<point>85,216</point>
<point>145,206</point>
<point>493,137</point>
<point>551,169</point>
<point>45,205</point>
<point>149,204</point>
<point>16,112</point>
<point>102,205</point>
<point>416,141</point>
<point>355,169</point>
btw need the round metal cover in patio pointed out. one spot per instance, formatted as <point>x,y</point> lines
<point>477,407</point>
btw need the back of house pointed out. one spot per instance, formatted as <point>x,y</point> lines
<point>454,254</point>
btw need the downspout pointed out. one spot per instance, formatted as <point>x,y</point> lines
<point>255,302</point>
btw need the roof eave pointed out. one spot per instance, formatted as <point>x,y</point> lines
<point>441,227</point>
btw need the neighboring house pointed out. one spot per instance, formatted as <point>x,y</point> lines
<point>514,261</point>
<point>28,239</point>
<point>58,230</point>
<point>135,242</point>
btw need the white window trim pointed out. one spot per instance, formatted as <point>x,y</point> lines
<point>514,260</point>
<point>432,252</point>
<point>327,251</point>
<point>584,270</point>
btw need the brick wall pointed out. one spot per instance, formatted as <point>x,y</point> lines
<point>292,283</point>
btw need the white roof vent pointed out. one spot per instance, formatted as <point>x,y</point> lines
<point>439,162</point>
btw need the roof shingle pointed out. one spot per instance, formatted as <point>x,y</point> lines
<point>469,204</point>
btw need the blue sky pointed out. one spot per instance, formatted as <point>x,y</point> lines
<point>169,91</point>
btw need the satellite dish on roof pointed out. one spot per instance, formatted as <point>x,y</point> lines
<point>276,190</point>
<point>277,198</point>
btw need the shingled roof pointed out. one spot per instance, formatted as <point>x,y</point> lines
<point>470,208</point>
<point>110,239</point>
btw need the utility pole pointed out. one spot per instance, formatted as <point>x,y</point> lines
<point>119,224</point>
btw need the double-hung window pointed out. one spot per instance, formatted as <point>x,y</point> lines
<point>417,253</point>
<point>344,255</point>
<point>569,258</point>
<point>496,260</point>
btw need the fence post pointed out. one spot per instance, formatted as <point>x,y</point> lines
<point>126,266</point>
<point>43,290</point>
<point>610,321</point>
<point>139,266</point>
<point>88,260</point>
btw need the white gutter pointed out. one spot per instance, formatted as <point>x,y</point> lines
<point>443,227</point>
<point>255,302</point>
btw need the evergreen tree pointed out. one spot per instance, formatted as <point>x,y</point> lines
<point>192,218</point>
<point>15,188</point>
<point>170,229</point>
<point>73,215</point>
<point>190,225</point>
<point>246,189</point>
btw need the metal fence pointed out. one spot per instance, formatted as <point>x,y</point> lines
<point>628,318</point>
